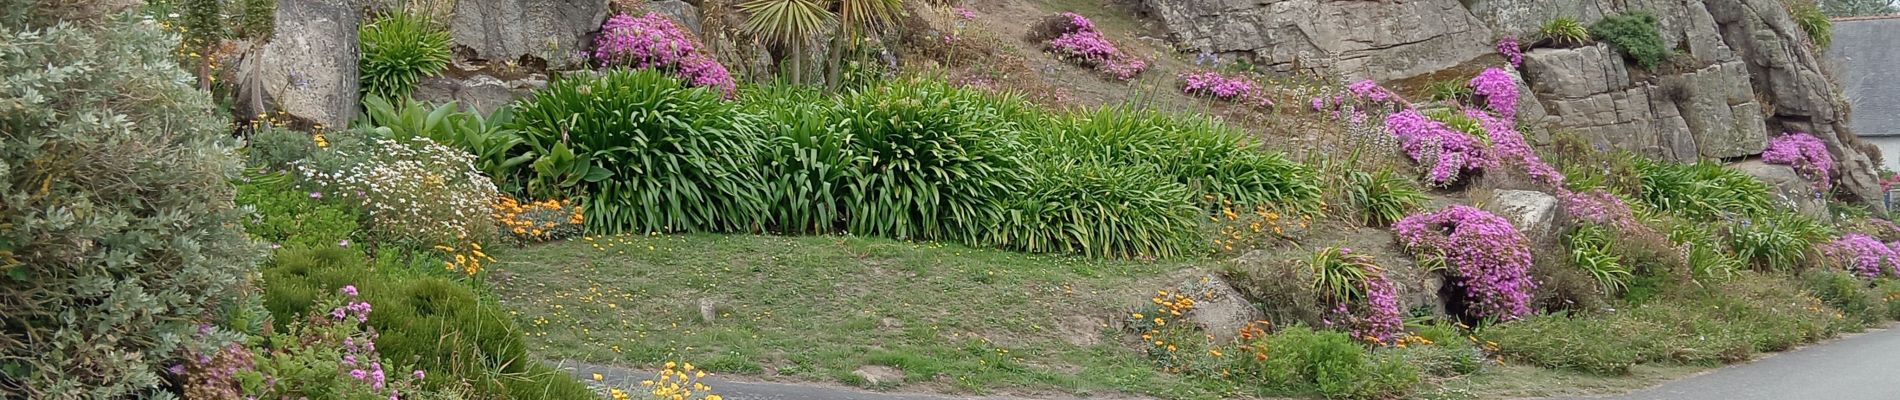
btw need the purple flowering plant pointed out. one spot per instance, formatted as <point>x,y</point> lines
<point>1807,154</point>
<point>1449,152</point>
<point>1863,255</point>
<point>1077,40</point>
<point>1364,302</point>
<point>331,353</point>
<point>1483,253</point>
<point>653,41</point>
<point>1229,88</point>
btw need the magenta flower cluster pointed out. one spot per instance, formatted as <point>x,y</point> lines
<point>1485,255</point>
<point>1499,90</point>
<point>1598,207</point>
<point>1080,42</point>
<point>1213,84</point>
<point>354,309</point>
<point>1451,153</point>
<point>1807,154</point>
<point>1512,51</point>
<point>1509,146</point>
<point>1864,255</point>
<point>654,41</point>
<point>1381,318</point>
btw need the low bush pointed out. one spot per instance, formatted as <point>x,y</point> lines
<point>1380,197</point>
<point>1099,209</point>
<point>415,192</point>
<point>1779,241</point>
<point>274,148</point>
<point>653,41</point>
<point>496,145</point>
<point>1447,153</point>
<point>1362,300</point>
<point>119,238</point>
<point>1856,299</point>
<point>1805,153</point>
<point>463,343</point>
<point>399,49</point>
<point>325,355</point>
<point>1331,364</point>
<point>646,153</point>
<point>1636,34</point>
<point>1482,252</point>
<point>286,216</point>
<point>1074,37</point>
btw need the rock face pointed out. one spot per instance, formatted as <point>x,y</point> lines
<point>1363,39</point>
<point>310,69</point>
<point>480,92</point>
<point>556,32</point>
<point>1748,70</point>
<point>1789,187</point>
<point>1218,310</point>
<point>1534,213</point>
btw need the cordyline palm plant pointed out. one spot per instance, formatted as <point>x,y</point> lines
<point>790,24</point>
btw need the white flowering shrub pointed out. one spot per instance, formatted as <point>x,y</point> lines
<point>416,192</point>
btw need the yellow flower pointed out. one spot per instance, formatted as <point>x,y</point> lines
<point>597,377</point>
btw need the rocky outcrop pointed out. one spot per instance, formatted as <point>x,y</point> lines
<point>1535,214</point>
<point>1380,40</point>
<point>309,70</point>
<point>482,93</point>
<point>1219,310</point>
<point>1748,70</point>
<point>556,33</point>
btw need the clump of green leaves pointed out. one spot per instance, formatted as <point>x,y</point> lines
<point>1636,34</point>
<point>648,153</point>
<point>1816,23</point>
<point>1450,90</point>
<point>399,49</point>
<point>1704,190</point>
<point>119,236</point>
<point>497,146</point>
<point>1780,241</point>
<point>1564,31</point>
<point>1381,197</point>
<point>1592,249</point>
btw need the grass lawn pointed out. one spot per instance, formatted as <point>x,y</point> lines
<point>817,308</point>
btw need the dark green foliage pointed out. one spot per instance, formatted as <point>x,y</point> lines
<point>289,217</point>
<point>399,49</point>
<point>1704,190</point>
<point>1635,33</point>
<point>1327,363</point>
<point>1592,249</point>
<point>933,161</point>
<point>1450,90</point>
<point>1855,298</point>
<point>1781,241</point>
<point>649,154</point>
<point>1101,210</point>
<point>118,233</point>
<point>274,148</point>
<point>1815,23</point>
<point>462,341</point>
<point>1381,197</point>
<point>1216,160</point>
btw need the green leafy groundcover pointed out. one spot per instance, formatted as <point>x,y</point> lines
<point>911,158</point>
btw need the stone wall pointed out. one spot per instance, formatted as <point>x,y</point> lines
<point>1748,72</point>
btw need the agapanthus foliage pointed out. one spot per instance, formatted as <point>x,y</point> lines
<point>1079,41</point>
<point>1807,154</point>
<point>1214,84</point>
<point>1482,252</point>
<point>654,41</point>
<point>1863,255</point>
<point>1364,301</point>
<point>1450,152</point>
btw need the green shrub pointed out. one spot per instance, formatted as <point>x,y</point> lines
<point>1889,293</point>
<point>1704,190</point>
<point>1815,23</point>
<point>1850,295</point>
<point>1708,256</point>
<point>1445,359</point>
<point>118,233</point>
<point>413,192</point>
<point>1381,197</point>
<point>648,153</point>
<point>465,344</point>
<point>399,49</point>
<point>1635,33</point>
<point>1592,249</point>
<point>497,146</point>
<point>1301,360</point>
<point>1101,210</point>
<point>1780,241</point>
<point>1563,31</point>
<point>932,160</point>
<point>1450,90</point>
<point>1217,160</point>
<point>274,148</point>
<point>286,216</point>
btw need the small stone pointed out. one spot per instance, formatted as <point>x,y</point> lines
<point>875,375</point>
<point>708,310</point>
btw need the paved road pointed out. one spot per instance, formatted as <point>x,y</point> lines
<point>740,390</point>
<point>1864,367</point>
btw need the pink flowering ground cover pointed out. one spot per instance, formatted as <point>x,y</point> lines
<point>1512,51</point>
<point>1080,42</point>
<point>654,41</point>
<point>1807,154</point>
<point>1863,255</point>
<point>1499,91</point>
<point>1214,85</point>
<point>1450,153</point>
<point>1483,253</point>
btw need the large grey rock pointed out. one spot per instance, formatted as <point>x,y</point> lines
<point>682,13</point>
<point>1721,112</point>
<point>480,92</point>
<point>1791,189</point>
<point>557,32</point>
<point>1219,310</point>
<point>1533,213</point>
<point>310,69</point>
<point>1381,40</point>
